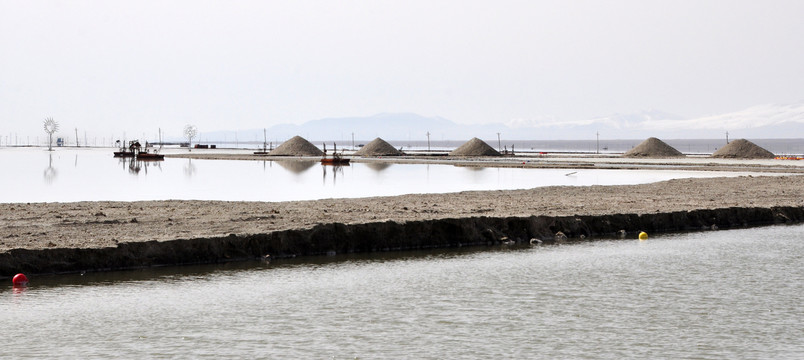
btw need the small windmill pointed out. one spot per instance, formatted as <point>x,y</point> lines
<point>51,126</point>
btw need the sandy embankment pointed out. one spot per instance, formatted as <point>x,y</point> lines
<point>105,224</point>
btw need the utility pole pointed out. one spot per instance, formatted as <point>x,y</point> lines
<point>76,137</point>
<point>499,144</point>
<point>353,141</point>
<point>598,142</point>
<point>727,137</point>
<point>428,141</point>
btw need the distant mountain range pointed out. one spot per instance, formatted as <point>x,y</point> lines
<point>764,121</point>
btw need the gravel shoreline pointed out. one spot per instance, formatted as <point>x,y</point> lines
<point>90,225</point>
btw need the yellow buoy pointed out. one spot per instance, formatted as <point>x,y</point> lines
<point>643,236</point>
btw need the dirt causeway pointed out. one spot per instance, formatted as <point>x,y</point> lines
<point>105,224</point>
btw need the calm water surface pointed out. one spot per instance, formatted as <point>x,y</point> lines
<point>82,174</point>
<point>710,295</point>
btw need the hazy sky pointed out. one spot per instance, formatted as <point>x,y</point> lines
<point>112,66</point>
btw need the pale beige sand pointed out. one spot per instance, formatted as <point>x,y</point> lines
<point>296,146</point>
<point>653,147</point>
<point>475,147</point>
<point>102,224</point>
<point>743,149</point>
<point>378,147</point>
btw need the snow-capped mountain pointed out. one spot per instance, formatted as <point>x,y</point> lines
<point>758,117</point>
<point>763,121</point>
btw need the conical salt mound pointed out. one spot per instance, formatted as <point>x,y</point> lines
<point>743,149</point>
<point>655,148</point>
<point>296,146</point>
<point>475,147</point>
<point>378,147</point>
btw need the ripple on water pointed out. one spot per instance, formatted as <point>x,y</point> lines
<point>705,295</point>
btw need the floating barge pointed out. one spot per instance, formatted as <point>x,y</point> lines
<point>135,150</point>
<point>336,159</point>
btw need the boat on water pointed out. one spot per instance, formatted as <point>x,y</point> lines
<point>149,156</point>
<point>135,150</point>
<point>336,159</point>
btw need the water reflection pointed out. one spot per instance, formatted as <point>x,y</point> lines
<point>50,171</point>
<point>378,166</point>
<point>476,173</point>
<point>19,290</point>
<point>97,178</point>
<point>296,166</point>
<point>135,166</point>
<point>472,168</point>
<point>334,169</point>
<point>189,168</point>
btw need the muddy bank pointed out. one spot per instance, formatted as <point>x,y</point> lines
<point>58,237</point>
<point>384,236</point>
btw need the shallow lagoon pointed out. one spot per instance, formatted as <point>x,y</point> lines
<point>707,295</point>
<point>84,174</point>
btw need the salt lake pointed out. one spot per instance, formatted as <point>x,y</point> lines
<point>92,174</point>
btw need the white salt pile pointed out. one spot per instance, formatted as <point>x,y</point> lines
<point>378,147</point>
<point>743,149</point>
<point>653,147</point>
<point>475,147</point>
<point>296,146</point>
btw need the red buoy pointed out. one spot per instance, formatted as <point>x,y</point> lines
<point>20,280</point>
